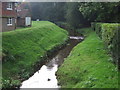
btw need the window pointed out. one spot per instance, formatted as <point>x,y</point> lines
<point>9,21</point>
<point>9,6</point>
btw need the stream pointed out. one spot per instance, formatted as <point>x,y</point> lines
<point>45,77</point>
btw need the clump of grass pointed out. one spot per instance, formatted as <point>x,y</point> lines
<point>24,47</point>
<point>88,65</point>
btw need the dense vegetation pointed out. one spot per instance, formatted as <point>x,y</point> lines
<point>77,14</point>
<point>88,65</point>
<point>23,48</point>
<point>101,11</point>
<point>48,11</point>
<point>109,33</point>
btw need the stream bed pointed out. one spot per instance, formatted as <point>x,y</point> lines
<point>45,77</point>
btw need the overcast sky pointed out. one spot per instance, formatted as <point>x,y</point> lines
<point>60,0</point>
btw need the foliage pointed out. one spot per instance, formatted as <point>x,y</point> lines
<point>73,16</point>
<point>23,48</point>
<point>88,65</point>
<point>58,12</point>
<point>52,11</point>
<point>110,35</point>
<point>65,26</point>
<point>76,14</point>
<point>98,29</point>
<point>101,11</point>
<point>109,32</point>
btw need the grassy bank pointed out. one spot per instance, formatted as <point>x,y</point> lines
<point>22,48</point>
<point>89,65</point>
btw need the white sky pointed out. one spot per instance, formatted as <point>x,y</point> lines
<point>60,0</point>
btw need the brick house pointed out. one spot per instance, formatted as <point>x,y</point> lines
<point>11,17</point>
<point>8,16</point>
<point>23,16</point>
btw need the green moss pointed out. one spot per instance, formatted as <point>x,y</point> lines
<point>24,47</point>
<point>88,65</point>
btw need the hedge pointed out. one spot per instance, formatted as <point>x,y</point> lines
<point>109,33</point>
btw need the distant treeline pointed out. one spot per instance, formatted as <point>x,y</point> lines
<point>76,14</point>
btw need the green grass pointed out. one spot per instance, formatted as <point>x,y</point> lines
<point>24,47</point>
<point>88,65</point>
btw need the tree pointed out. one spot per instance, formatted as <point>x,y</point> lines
<point>73,15</point>
<point>100,11</point>
<point>51,11</point>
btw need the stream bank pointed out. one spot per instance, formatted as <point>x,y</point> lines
<point>89,65</point>
<point>22,48</point>
<point>45,77</point>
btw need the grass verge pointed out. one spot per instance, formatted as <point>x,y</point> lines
<point>22,48</point>
<point>89,65</point>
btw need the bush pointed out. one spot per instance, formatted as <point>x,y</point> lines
<point>109,33</point>
<point>97,28</point>
<point>93,25</point>
<point>65,25</point>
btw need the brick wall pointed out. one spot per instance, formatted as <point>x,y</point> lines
<point>8,13</point>
<point>21,22</point>
<point>5,14</point>
<point>5,27</point>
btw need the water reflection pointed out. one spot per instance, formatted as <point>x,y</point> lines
<point>45,77</point>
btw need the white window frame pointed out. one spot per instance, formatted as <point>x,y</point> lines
<point>9,21</point>
<point>10,6</point>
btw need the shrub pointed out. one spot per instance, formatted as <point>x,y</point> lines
<point>98,29</point>
<point>65,25</point>
<point>109,33</point>
<point>93,25</point>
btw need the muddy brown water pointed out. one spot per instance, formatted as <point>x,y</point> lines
<point>45,77</point>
